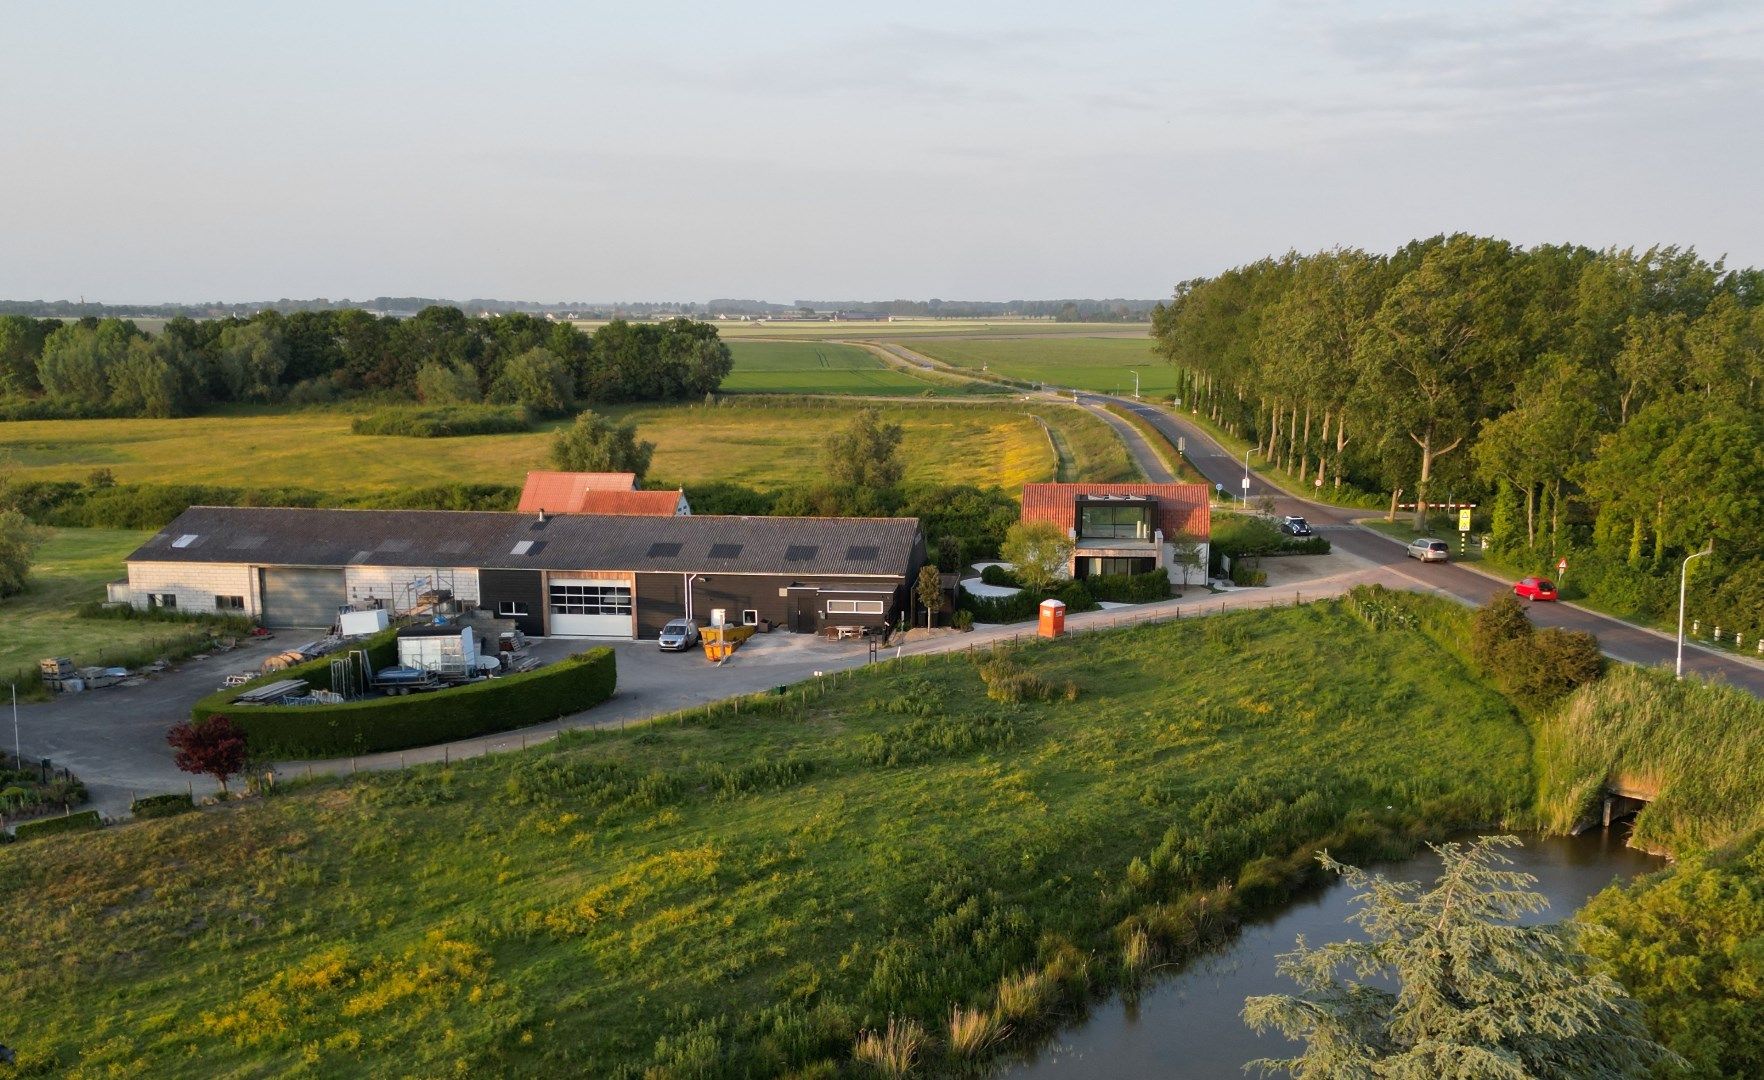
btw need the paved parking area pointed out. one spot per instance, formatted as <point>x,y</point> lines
<point>114,739</point>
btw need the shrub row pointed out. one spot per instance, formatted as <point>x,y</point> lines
<point>444,421</point>
<point>153,506</point>
<point>1143,588</point>
<point>1024,606</point>
<point>84,821</point>
<point>158,806</point>
<point>395,723</point>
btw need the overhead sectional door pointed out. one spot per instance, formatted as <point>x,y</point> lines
<point>301,597</point>
<point>585,608</point>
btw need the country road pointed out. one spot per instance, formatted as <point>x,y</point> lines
<point>1622,640</point>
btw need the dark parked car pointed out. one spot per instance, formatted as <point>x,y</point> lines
<point>1295,526</point>
<point>679,636</point>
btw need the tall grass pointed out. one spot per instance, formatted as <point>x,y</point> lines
<point>1699,745</point>
<point>892,1051</point>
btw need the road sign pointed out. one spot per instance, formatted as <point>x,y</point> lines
<point>1182,444</point>
<point>1464,520</point>
<point>1561,566</point>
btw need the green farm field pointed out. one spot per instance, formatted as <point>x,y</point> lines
<point>732,330</point>
<point>70,569</point>
<point>759,441</point>
<point>743,893</point>
<point>1102,364</point>
<point>821,367</point>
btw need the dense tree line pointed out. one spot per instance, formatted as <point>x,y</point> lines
<point>96,367</point>
<point>1604,402</point>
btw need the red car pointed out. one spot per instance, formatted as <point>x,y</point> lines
<point>1535,588</point>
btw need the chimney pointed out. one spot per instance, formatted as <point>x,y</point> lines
<point>542,515</point>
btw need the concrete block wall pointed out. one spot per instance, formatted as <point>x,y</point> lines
<point>194,584</point>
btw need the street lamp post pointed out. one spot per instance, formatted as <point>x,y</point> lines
<point>17,753</point>
<point>1135,385</point>
<point>1246,478</point>
<point>1683,580</point>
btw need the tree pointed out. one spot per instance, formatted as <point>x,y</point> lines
<point>251,358</point>
<point>18,545</point>
<point>212,747</point>
<point>538,380</point>
<point>1040,550</point>
<point>595,444</point>
<point>446,384</point>
<point>1478,995</point>
<point>76,362</point>
<point>21,344</point>
<point>930,591</point>
<point>867,453</point>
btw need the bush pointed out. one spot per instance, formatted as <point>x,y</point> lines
<point>962,620</point>
<point>994,574</point>
<point>158,806</point>
<point>1247,577</point>
<point>1534,667</point>
<point>444,421</point>
<point>84,821</point>
<point>1024,605</point>
<point>1146,588</point>
<point>395,723</point>
<point>1496,624</point>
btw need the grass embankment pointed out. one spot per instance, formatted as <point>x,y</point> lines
<point>819,367</point>
<point>1293,484</point>
<point>1103,364</point>
<point>743,893</point>
<point>1161,446</point>
<point>70,570</point>
<point>1688,942</point>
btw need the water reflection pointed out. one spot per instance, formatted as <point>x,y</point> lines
<point>1188,1026</point>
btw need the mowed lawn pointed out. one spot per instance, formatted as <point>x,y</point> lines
<point>1105,365</point>
<point>759,443</point>
<point>739,894</point>
<point>70,569</point>
<point>820,367</point>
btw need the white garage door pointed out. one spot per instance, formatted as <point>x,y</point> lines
<point>590,609</point>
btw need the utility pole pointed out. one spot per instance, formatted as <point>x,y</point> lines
<point>1136,384</point>
<point>17,753</point>
<point>1246,455</point>
<point>1683,579</point>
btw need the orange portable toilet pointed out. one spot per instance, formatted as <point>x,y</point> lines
<point>1053,618</point>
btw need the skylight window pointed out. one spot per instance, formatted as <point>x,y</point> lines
<point>525,547</point>
<point>663,551</point>
<point>725,551</point>
<point>800,552</point>
<point>185,540</point>
<point>862,553</point>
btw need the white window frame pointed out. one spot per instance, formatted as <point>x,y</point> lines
<point>749,616</point>
<point>856,607</point>
<point>568,597</point>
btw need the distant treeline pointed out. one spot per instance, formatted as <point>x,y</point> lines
<point>402,306</point>
<point>1063,310</point>
<point>1607,405</point>
<point>109,367</point>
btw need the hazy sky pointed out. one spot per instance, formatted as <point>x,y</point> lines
<point>190,151</point>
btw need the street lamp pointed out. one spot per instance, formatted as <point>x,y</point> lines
<point>1683,578</point>
<point>1136,385</point>
<point>1246,455</point>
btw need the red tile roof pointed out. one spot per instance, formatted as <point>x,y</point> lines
<point>1183,509</point>
<point>558,491</point>
<point>594,493</point>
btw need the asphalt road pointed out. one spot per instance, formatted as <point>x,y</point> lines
<point>1622,640</point>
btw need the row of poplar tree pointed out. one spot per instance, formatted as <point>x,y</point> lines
<point>1605,402</point>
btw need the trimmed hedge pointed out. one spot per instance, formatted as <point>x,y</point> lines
<point>84,821</point>
<point>1025,605</point>
<point>396,723</point>
<point>1143,588</point>
<point>168,805</point>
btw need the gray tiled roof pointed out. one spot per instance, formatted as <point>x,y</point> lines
<point>268,536</point>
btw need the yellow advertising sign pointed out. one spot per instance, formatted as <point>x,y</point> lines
<point>1464,520</point>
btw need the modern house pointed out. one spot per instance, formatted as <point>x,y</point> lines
<point>597,493</point>
<point>1129,528</point>
<point>572,575</point>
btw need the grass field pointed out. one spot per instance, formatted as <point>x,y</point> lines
<point>881,331</point>
<point>763,443</point>
<point>1105,365</point>
<point>70,569</point>
<point>741,894</point>
<point>815,367</point>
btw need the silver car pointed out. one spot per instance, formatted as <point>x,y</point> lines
<point>679,635</point>
<point>1428,549</point>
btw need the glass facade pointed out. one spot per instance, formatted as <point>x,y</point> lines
<point>1114,522</point>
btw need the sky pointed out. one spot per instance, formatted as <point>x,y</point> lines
<point>184,152</point>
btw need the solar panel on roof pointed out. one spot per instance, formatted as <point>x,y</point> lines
<point>725,551</point>
<point>862,553</point>
<point>663,551</point>
<point>800,552</point>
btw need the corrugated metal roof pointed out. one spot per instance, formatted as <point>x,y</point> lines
<point>305,537</point>
<point>1183,509</point>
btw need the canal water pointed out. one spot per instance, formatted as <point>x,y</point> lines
<point>1189,1027</point>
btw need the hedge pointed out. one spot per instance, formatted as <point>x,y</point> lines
<point>1024,606</point>
<point>444,421</point>
<point>395,723</point>
<point>1143,588</point>
<point>84,821</point>
<point>168,805</point>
